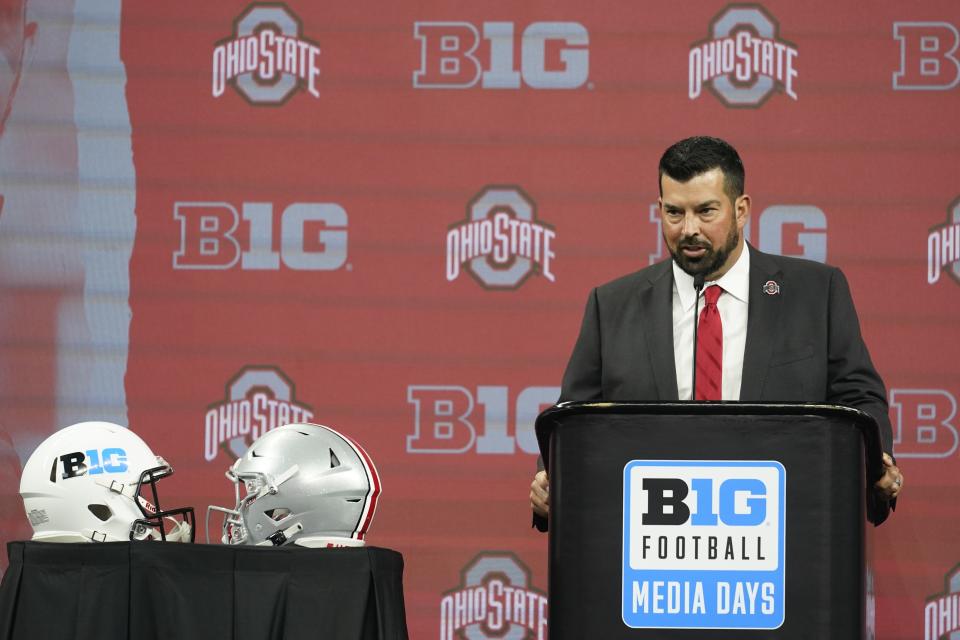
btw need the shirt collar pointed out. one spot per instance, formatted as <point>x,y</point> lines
<point>736,281</point>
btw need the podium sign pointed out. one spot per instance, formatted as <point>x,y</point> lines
<point>703,544</point>
<point>708,520</point>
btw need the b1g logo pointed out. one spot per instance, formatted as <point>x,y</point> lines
<point>703,544</point>
<point>457,55</point>
<point>267,59</point>
<point>495,599</point>
<point>928,60</point>
<point>313,236</point>
<point>258,399</point>
<point>92,462</point>
<point>941,615</point>
<point>943,246</point>
<point>452,419</point>
<point>797,230</point>
<point>744,60</point>
<point>501,243</point>
<point>922,422</point>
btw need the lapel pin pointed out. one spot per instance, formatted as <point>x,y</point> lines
<point>771,288</point>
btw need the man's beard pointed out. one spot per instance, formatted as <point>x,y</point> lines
<point>711,260</point>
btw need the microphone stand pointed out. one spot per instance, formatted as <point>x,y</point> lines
<point>698,287</point>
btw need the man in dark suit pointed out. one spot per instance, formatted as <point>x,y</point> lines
<point>787,327</point>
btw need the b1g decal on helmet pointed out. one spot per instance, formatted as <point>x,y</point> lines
<point>267,59</point>
<point>743,60</point>
<point>305,484</point>
<point>91,462</point>
<point>501,243</point>
<point>97,482</point>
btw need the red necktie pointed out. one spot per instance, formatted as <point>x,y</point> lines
<point>710,348</point>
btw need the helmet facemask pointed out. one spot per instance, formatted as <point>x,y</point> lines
<point>173,525</point>
<point>257,486</point>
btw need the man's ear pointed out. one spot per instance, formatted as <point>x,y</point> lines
<point>742,210</point>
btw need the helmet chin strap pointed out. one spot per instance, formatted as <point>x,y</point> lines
<point>180,532</point>
<point>281,537</point>
<point>88,535</point>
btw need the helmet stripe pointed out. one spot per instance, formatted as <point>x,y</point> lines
<point>373,495</point>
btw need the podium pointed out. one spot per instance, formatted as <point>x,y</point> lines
<point>708,520</point>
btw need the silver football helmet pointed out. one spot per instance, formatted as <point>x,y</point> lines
<point>304,484</point>
<point>97,482</point>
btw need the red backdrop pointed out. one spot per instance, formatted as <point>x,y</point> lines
<point>222,215</point>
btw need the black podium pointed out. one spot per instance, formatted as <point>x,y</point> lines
<point>708,520</point>
<point>159,591</point>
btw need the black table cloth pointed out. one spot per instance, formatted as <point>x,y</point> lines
<point>147,590</point>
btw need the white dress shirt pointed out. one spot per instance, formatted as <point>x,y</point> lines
<point>732,305</point>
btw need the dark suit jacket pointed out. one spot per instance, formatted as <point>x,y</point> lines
<point>803,344</point>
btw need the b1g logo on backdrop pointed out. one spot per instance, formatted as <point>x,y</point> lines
<point>928,56</point>
<point>313,236</point>
<point>453,419</point>
<point>501,243</point>
<point>922,422</point>
<point>495,599</point>
<point>458,55</point>
<point>258,399</point>
<point>703,544</point>
<point>744,59</point>
<point>941,615</point>
<point>796,230</point>
<point>267,59</point>
<point>943,246</point>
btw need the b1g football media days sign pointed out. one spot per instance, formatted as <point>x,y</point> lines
<point>703,544</point>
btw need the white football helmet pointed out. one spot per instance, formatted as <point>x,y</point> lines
<point>85,483</point>
<point>304,484</point>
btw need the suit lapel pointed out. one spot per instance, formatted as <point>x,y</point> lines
<point>656,317</point>
<point>763,322</point>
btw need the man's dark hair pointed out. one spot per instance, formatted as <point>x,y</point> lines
<point>692,156</point>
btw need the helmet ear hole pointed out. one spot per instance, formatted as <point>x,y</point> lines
<point>101,511</point>
<point>334,460</point>
<point>277,514</point>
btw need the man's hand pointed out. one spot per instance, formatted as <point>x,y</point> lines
<point>540,494</point>
<point>891,483</point>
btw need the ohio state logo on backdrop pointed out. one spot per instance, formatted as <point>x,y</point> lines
<point>928,60</point>
<point>501,243</point>
<point>743,60</point>
<point>943,246</point>
<point>258,399</point>
<point>495,599</point>
<point>458,55</point>
<point>941,615</point>
<point>267,59</point>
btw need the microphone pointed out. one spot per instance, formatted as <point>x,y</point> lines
<point>698,287</point>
